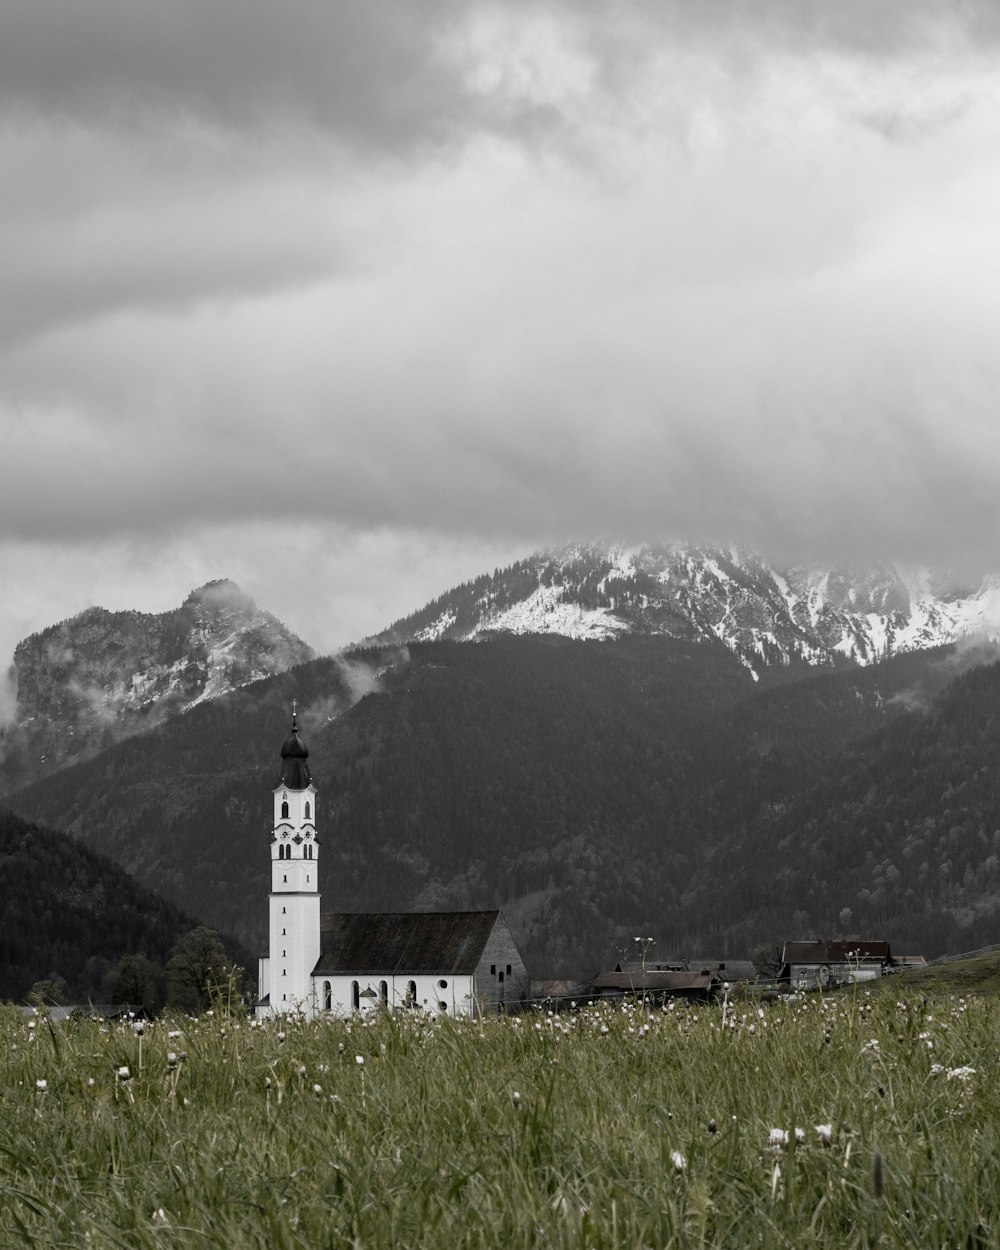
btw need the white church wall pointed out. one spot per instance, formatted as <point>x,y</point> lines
<point>441,993</point>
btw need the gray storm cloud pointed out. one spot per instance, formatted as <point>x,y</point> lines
<point>501,274</point>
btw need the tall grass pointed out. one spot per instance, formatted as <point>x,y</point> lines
<point>601,1127</point>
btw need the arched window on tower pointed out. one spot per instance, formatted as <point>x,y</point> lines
<point>284,810</point>
<point>308,816</point>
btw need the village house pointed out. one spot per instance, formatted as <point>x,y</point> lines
<point>654,984</point>
<point>818,963</point>
<point>461,963</point>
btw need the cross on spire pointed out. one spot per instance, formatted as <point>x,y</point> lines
<point>295,706</point>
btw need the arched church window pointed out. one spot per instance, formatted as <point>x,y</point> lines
<point>383,993</point>
<point>284,879</point>
<point>284,810</point>
<point>327,996</point>
<point>355,996</point>
<point>308,816</point>
<point>411,994</point>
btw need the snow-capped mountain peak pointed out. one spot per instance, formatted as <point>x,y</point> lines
<point>765,615</point>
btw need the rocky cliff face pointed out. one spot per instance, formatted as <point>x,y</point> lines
<point>766,616</point>
<point>101,676</point>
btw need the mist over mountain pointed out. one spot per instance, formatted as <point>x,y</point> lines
<point>102,676</point>
<point>767,617</point>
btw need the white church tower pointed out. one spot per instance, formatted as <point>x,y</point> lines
<point>293,949</point>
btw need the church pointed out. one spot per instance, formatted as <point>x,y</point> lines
<point>460,963</point>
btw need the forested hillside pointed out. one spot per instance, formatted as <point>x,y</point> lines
<point>902,829</point>
<point>70,915</point>
<point>596,790</point>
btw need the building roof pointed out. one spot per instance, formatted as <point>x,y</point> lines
<point>655,981</point>
<point>839,952</point>
<point>294,754</point>
<point>403,942</point>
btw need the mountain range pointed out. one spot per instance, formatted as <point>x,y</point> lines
<point>725,756</point>
<point>767,617</point>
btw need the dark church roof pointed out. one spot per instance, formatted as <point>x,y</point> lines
<point>403,942</point>
<point>294,753</point>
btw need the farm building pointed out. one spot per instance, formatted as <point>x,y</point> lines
<point>814,964</point>
<point>655,984</point>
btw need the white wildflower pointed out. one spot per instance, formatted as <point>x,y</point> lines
<point>42,1086</point>
<point>825,1133</point>
<point>678,1160</point>
<point>359,1060</point>
<point>778,1137</point>
<point>123,1073</point>
<point>961,1074</point>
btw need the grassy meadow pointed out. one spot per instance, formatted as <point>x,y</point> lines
<point>837,1121</point>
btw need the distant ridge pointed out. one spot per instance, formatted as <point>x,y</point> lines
<point>767,617</point>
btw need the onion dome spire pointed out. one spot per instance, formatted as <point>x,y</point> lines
<point>294,755</point>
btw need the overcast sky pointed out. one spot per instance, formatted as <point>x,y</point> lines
<point>352,301</point>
